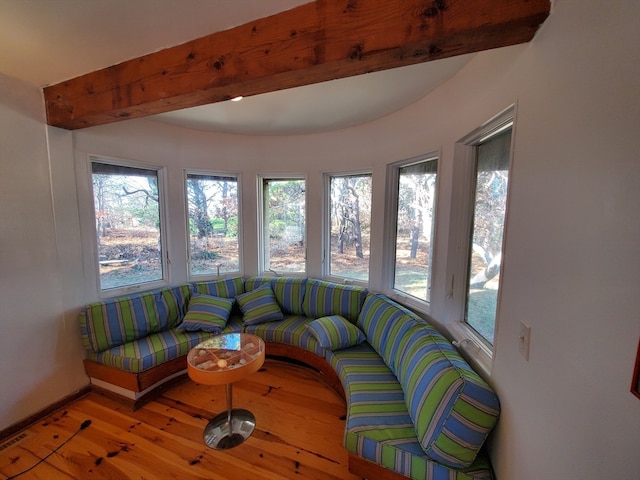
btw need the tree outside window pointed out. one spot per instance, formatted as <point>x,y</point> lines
<point>128,225</point>
<point>284,225</point>
<point>489,210</point>
<point>350,224</point>
<point>414,228</point>
<point>212,202</point>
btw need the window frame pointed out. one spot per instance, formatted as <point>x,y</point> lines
<point>392,193</point>
<point>462,207</point>
<point>326,221</point>
<point>263,243</point>
<point>208,173</point>
<point>162,217</point>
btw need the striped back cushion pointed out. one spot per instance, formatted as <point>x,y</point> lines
<point>324,298</point>
<point>174,305</point>
<point>452,408</point>
<point>289,292</point>
<point>252,283</point>
<point>385,323</point>
<point>117,321</point>
<point>225,288</point>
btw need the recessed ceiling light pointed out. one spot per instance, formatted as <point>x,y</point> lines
<point>237,99</point>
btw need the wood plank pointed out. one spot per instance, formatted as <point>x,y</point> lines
<point>315,42</point>
<point>298,435</point>
<point>367,469</point>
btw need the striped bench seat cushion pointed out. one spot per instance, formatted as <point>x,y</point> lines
<point>155,349</point>
<point>290,331</point>
<point>378,425</point>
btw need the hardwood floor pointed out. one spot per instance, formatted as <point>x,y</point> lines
<point>299,432</point>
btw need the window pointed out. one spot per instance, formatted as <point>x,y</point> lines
<point>415,202</point>
<point>212,204</point>
<point>349,226</point>
<point>487,227</point>
<point>283,225</point>
<point>128,223</point>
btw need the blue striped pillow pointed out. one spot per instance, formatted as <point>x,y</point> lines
<point>335,332</point>
<point>259,306</point>
<point>207,313</point>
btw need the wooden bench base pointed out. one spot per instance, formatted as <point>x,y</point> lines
<point>135,389</point>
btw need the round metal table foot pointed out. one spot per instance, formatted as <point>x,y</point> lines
<point>221,433</point>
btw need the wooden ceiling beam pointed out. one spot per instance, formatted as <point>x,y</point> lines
<point>315,42</point>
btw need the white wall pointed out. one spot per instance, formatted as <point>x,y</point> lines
<point>571,260</point>
<point>40,358</point>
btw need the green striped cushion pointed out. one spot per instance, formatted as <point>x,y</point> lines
<point>150,351</point>
<point>378,425</point>
<point>335,332</point>
<point>452,408</point>
<point>289,292</point>
<point>226,288</point>
<point>290,331</point>
<point>207,313</point>
<point>117,321</point>
<point>175,301</point>
<point>252,283</point>
<point>259,306</point>
<point>322,299</point>
<point>384,322</point>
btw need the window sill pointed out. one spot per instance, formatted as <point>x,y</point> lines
<point>472,348</point>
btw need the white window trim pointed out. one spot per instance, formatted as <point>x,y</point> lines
<point>88,226</point>
<point>204,277</point>
<point>326,231</point>
<point>391,227</point>
<point>263,268</point>
<point>475,348</point>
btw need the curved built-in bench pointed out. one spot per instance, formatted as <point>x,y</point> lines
<point>414,407</point>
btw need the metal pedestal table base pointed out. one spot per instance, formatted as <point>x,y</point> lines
<point>231,428</point>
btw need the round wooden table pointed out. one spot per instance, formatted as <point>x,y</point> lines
<point>225,359</point>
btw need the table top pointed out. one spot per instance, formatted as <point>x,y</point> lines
<point>225,358</point>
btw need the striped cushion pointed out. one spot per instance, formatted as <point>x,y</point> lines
<point>378,425</point>
<point>226,288</point>
<point>289,292</point>
<point>324,298</point>
<point>335,332</point>
<point>150,351</point>
<point>117,321</point>
<point>452,408</point>
<point>174,304</point>
<point>207,313</point>
<point>385,322</point>
<point>252,283</point>
<point>290,331</point>
<point>259,306</point>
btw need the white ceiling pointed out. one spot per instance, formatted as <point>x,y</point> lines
<point>45,42</point>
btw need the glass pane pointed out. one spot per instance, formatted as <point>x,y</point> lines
<point>488,226</point>
<point>350,222</point>
<point>416,200</point>
<point>284,224</point>
<point>213,224</point>
<point>126,202</point>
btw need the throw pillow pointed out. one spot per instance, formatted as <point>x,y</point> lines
<point>335,332</point>
<point>259,306</point>
<point>207,313</point>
